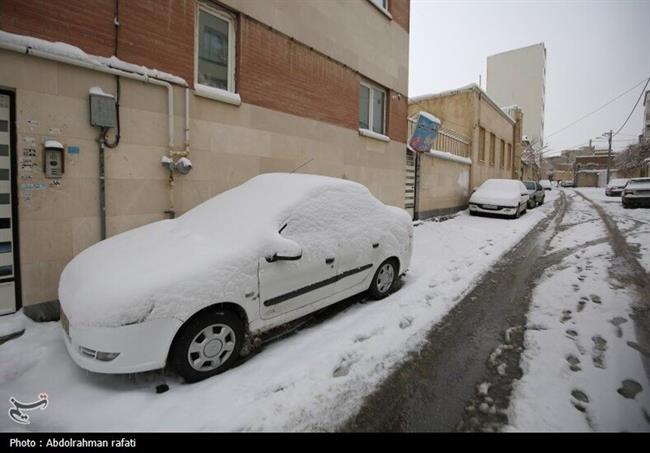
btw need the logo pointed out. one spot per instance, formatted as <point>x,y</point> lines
<point>16,412</point>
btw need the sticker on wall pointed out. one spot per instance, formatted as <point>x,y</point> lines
<point>33,124</point>
<point>73,150</point>
<point>27,189</point>
<point>28,162</point>
<point>54,131</point>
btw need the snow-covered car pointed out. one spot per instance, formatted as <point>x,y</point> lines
<point>546,184</point>
<point>508,197</point>
<point>536,193</point>
<point>615,187</point>
<point>189,292</point>
<point>636,193</point>
<point>567,183</point>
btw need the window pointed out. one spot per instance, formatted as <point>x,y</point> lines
<point>383,4</point>
<point>372,108</point>
<point>215,50</point>
<point>509,164</point>
<point>502,155</point>
<point>481,144</point>
<point>493,151</point>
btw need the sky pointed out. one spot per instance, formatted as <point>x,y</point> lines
<point>596,50</point>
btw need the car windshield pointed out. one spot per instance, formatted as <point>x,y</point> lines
<point>638,182</point>
<point>530,185</point>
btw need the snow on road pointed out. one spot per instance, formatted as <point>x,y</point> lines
<point>312,380</point>
<point>582,366</point>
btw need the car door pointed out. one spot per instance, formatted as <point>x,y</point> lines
<point>288,285</point>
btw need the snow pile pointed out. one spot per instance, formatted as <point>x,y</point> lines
<point>210,254</point>
<point>75,53</point>
<point>12,324</point>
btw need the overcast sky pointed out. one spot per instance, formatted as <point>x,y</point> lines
<point>596,50</point>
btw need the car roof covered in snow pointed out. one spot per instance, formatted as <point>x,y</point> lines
<point>501,184</point>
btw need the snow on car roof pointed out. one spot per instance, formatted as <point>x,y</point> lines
<point>505,184</point>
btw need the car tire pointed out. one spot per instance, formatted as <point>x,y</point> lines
<point>384,279</point>
<point>227,330</point>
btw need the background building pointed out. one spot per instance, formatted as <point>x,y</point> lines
<point>519,77</point>
<point>238,87</point>
<point>469,116</point>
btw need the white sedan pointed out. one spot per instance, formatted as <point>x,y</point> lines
<point>507,197</point>
<point>188,291</point>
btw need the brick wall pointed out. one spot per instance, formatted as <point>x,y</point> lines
<point>149,35</point>
<point>273,70</point>
<point>400,10</point>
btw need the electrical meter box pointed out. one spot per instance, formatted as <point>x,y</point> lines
<point>53,159</point>
<point>103,112</point>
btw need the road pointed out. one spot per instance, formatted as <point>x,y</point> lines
<point>462,380</point>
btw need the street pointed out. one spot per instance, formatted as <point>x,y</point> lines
<point>563,319</point>
<point>534,324</point>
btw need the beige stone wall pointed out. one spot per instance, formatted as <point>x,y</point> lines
<point>494,122</point>
<point>340,29</point>
<point>443,186</point>
<point>229,145</point>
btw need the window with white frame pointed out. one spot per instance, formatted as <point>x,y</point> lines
<point>215,59</point>
<point>372,108</point>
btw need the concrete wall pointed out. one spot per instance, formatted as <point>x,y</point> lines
<point>519,77</point>
<point>229,144</point>
<point>443,186</point>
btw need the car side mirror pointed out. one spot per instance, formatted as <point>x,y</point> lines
<point>284,256</point>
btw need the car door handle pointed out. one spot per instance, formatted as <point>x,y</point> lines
<point>329,260</point>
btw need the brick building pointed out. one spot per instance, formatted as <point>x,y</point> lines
<point>239,87</point>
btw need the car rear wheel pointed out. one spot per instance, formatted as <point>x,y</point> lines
<point>384,279</point>
<point>207,345</point>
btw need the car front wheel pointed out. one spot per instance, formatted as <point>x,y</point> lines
<point>384,279</point>
<point>207,345</point>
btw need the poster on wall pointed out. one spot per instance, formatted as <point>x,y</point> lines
<point>426,130</point>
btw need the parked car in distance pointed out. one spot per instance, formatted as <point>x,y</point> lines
<point>506,197</point>
<point>536,193</point>
<point>636,193</point>
<point>186,292</point>
<point>615,187</point>
<point>567,183</point>
<point>546,184</point>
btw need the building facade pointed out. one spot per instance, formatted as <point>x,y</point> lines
<point>519,77</point>
<point>237,87</point>
<point>491,135</point>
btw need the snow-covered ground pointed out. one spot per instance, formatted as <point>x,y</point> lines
<point>312,380</point>
<point>582,366</point>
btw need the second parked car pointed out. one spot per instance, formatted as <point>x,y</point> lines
<point>536,194</point>
<point>505,197</point>
<point>615,187</point>
<point>636,193</point>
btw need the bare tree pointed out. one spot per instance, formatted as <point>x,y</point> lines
<point>629,161</point>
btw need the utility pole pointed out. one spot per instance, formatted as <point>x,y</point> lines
<point>609,152</point>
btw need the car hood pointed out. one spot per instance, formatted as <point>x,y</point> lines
<point>156,271</point>
<point>494,197</point>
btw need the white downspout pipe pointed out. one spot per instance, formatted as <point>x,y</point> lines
<point>28,50</point>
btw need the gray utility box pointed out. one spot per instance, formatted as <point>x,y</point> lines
<point>103,112</point>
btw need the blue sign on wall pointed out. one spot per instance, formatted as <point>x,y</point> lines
<point>425,132</point>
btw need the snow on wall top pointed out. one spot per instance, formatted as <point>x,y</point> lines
<point>210,254</point>
<point>75,53</point>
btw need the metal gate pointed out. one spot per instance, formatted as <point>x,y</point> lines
<point>7,271</point>
<point>409,183</point>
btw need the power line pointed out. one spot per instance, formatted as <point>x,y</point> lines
<point>633,108</point>
<point>597,110</point>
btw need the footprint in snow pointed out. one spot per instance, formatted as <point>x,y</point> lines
<point>582,302</point>
<point>598,352</point>
<point>575,287</point>
<point>617,321</point>
<point>580,398</point>
<point>566,315</point>
<point>405,322</point>
<point>629,389</point>
<point>344,365</point>
<point>596,299</point>
<point>574,363</point>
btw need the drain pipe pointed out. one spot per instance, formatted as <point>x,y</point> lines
<point>107,69</point>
